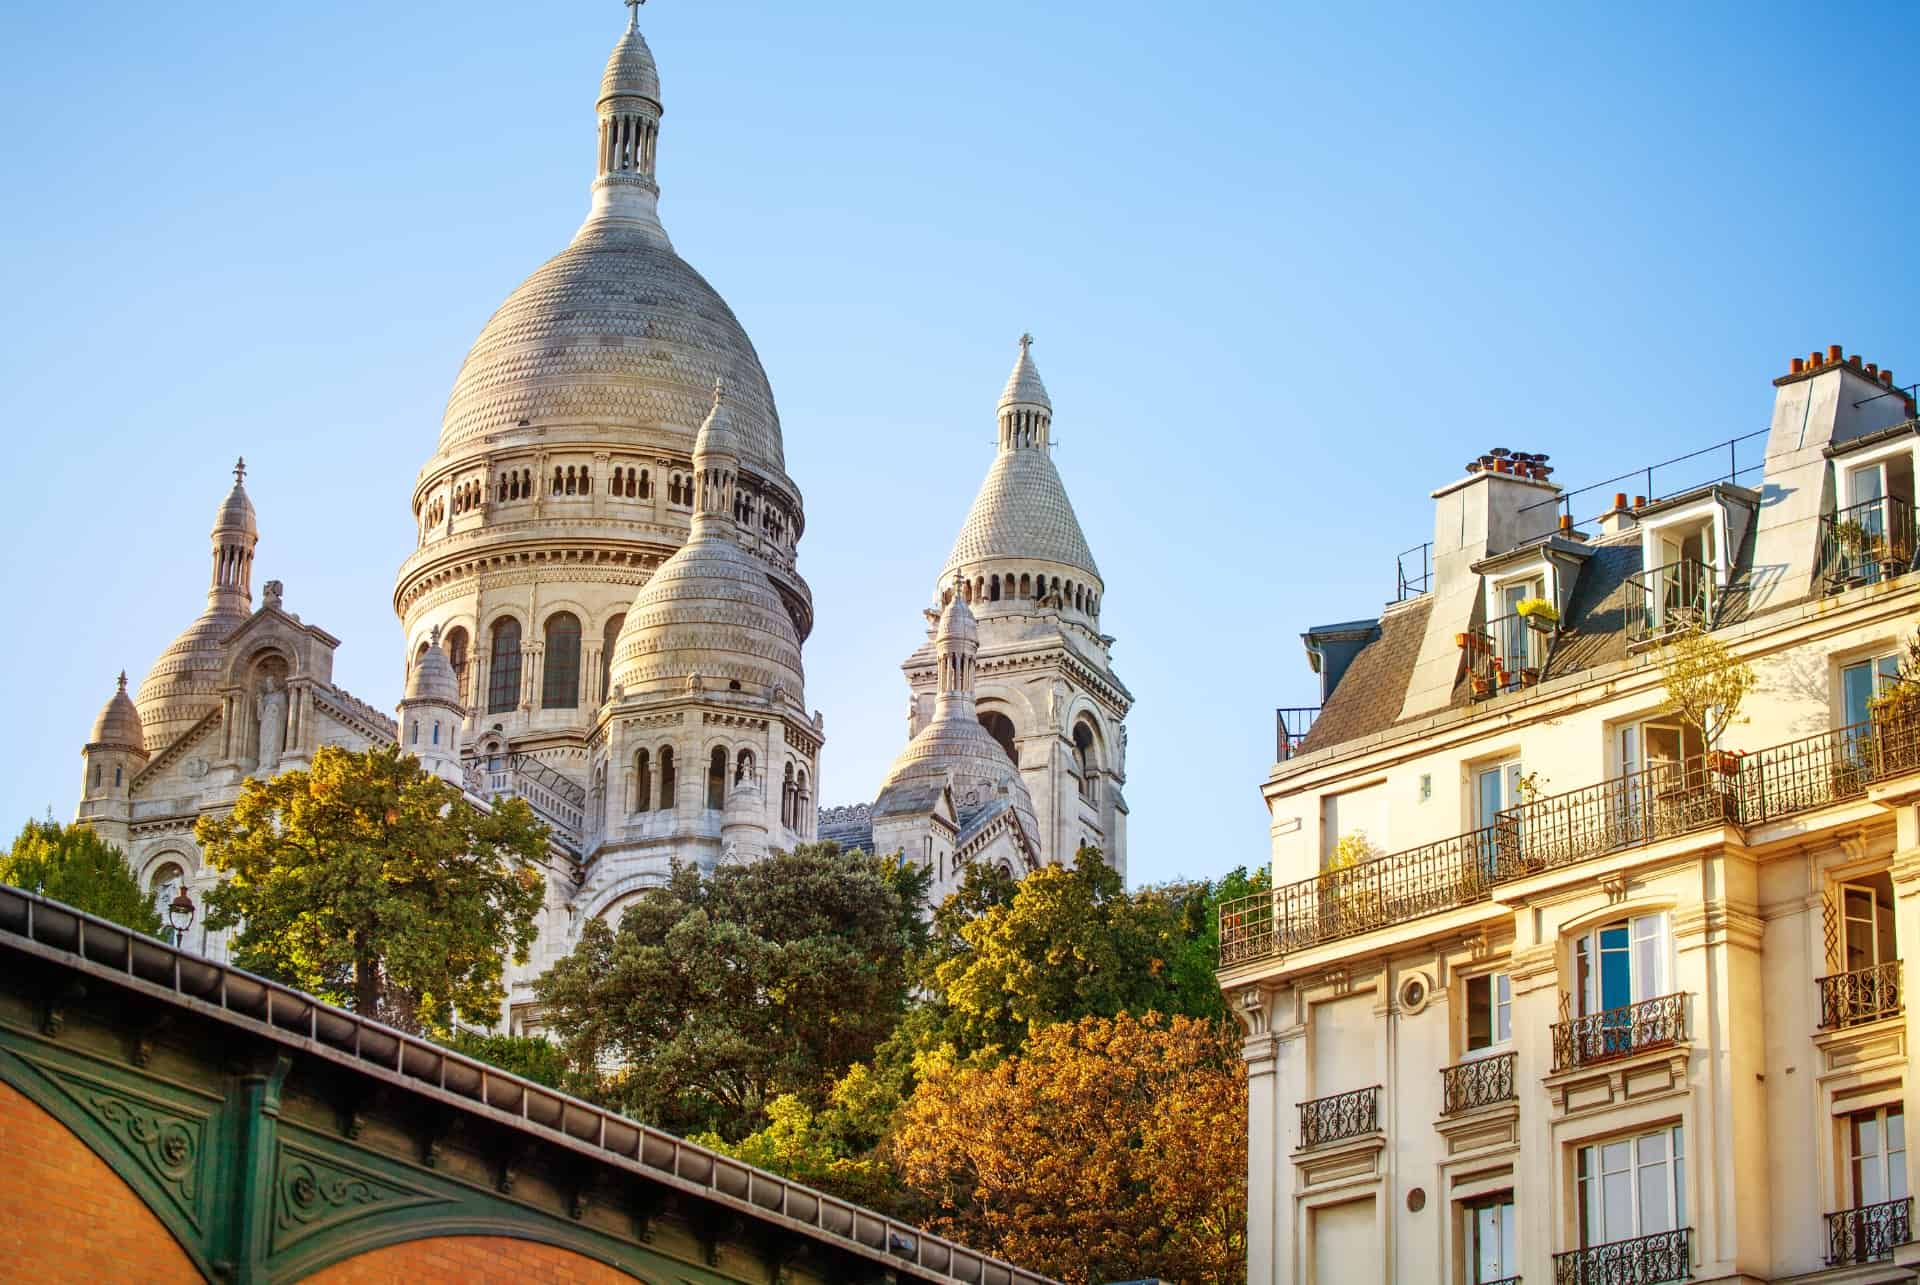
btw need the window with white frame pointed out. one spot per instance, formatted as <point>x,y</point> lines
<point>1515,643</point>
<point>1861,681</point>
<point>1877,1155</point>
<point>1866,922</point>
<point>1496,787</point>
<point>1489,1013</point>
<point>1632,1187</point>
<point>1685,574</point>
<point>1621,963</point>
<point>1493,1252</point>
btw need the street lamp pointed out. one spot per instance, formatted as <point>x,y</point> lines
<point>180,915</point>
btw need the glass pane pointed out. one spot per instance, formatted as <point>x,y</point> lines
<point>1617,1205</point>
<point>1869,1168</point>
<point>1486,1241</point>
<point>1583,975</point>
<point>1856,689</point>
<point>1479,1013</point>
<point>1654,1185</point>
<point>1509,1249</point>
<point>1663,744</point>
<point>1648,972</point>
<point>1616,973</point>
<point>1857,910</point>
<point>1489,782</point>
<point>1591,1232</point>
<point>1865,483</point>
<point>1503,1009</point>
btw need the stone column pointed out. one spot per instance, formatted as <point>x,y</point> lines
<point>602,481</point>
<point>530,670</point>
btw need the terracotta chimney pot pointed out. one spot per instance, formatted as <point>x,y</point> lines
<point>1639,501</point>
<point>1619,500</point>
<point>1566,523</point>
<point>1813,360</point>
<point>1799,366</point>
<point>1854,361</point>
<point>1886,376</point>
<point>1873,371</point>
<point>1833,352</point>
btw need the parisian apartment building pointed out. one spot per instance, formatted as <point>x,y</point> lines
<point>1556,981</point>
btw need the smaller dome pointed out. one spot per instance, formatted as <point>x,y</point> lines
<point>118,726</point>
<point>708,617</point>
<point>433,678</point>
<point>236,511</point>
<point>716,436</point>
<point>631,72</point>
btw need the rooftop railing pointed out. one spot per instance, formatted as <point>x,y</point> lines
<point>1671,599</point>
<point>1866,543</point>
<point>1509,652</point>
<point>1290,727</point>
<point>1660,801</point>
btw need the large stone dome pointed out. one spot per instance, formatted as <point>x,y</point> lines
<point>615,331</point>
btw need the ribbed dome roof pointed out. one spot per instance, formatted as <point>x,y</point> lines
<point>957,622</point>
<point>119,723</point>
<point>432,677</point>
<point>615,331</point>
<point>957,748</point>
<point>631,70</point>
<point>1023,385</point>
<point>709,610</point>
<point>183,685</point>
<point>1022,511</point>
<point>236,511</point>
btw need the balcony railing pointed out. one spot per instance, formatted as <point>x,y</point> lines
<point>1477,1083</point>
<point>1665,600</point>
<point>1866,543</point>
<point>1660,801</point>
<point>1290,727</point>
<point>1868,1234</point>
<point>1619,1032</point>
<point>1509,652</point>
<point>1344,1115</point>
<point>1863,995</point>
<point>1644,1260</point>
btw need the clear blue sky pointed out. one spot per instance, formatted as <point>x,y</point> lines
<point>1287,268</point>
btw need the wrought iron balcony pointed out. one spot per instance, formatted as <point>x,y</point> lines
<point>1480,1082</point>
<point>1290,727</point>
<point>1511,651</point>
<point>1666,600</point>
<point>1868,1234</point>
<point>1657,802</point>
<point>1344,1115</point>
<point>1644,1260</point>
<point>1619,1032</point>
<point>1866,543</point>
<point>1863,995</point>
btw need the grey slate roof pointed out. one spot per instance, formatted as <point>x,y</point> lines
<point>1370,694</point>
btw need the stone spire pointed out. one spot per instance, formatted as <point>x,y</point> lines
<point>1026,413</point>
<point>716,465</point>
<point>956,644</point>
<point>235,534</point>
<point>624,187</point>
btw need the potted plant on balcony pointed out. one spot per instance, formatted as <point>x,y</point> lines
<point>1895,713</point>
<point>1529,675</point>
<point>1853,543</point>
<point>1482,685</point>
<point>1539,614</point>
<point>1706,684</point>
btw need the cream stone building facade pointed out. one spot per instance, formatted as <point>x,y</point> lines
<point>604,613</point>
<point>1599,1002</point>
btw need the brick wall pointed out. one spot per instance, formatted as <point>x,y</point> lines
<point>65,1216</point>
<point>470,1260</point>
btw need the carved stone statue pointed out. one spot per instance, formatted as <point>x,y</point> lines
<point>695,684</point>
<point>272,594</point>
<point>273,723</point>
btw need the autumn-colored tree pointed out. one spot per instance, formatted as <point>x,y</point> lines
<point>71,863</point>
<point>717,994</point>
<point>1070,942</point>
<point>372,883</point>
<point>1705,682</point>
<point>1107,1149</point>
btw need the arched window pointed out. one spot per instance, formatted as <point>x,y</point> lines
<point>717,777</point>
<point>786,799</point>
<point>802,801</point>
<point>666,779</point>
<point>116,778</point>
<point>1026,586</point>
<point>436,731</point>
<point>413,732</point>
<point>586,480</point>
<point>457,657</point>
<point>993,589</point>
<point>558,479</point>
<point>503,674</point>
<point>743,768</point>
<point>646,485</point>
<point>608,637</point>
<point>1000,727</point>
<point>1083,758</point>
<point>560,686</point>
<point>642,781</point>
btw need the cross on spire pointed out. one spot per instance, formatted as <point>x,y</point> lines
<point>1026,342</point>
<point>240,470</point>
<point>633,13</point>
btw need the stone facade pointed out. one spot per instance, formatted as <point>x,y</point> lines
<point>1599,1000</point>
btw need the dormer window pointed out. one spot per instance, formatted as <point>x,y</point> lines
<point>1870,536</point>
<point>1686,549</point>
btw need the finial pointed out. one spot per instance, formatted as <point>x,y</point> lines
<point>123,680</point>
<point>719,390</point>
<point>433,638</point>
<point>633,13</point>
<point>1026,342</point>
<point>240,470</point>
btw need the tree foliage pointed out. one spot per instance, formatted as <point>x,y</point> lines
<point>374,884</point>
<point>717,994</point>
<point>1705,682</point>
<point>73,864</point>
<point>1070,942</point>
<point>1107,1148</point>
<point>527,1056</point>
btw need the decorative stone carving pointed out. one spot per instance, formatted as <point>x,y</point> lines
<point>165,1143</point>
<point>312,1193</point>
<point>272,594</point>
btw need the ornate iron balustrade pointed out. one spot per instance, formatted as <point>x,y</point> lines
<point>1385,890</point>
<point>1811,772</point>
<point>1344,1115</point>
<point>1504,1280</point>
<point>1619,1032</point>
<point>1480,1082</point>
<point>1246,928</point>
<point>1866,543</point>
<point>1666,600</point>
<point>1290,727</point>
<point>1863,995</point>
<point>1657,802</point>
<point>1644,1260</point>
<point>1869,1233</point>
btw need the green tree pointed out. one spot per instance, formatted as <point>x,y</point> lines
<point>1072,943</point>
<point>374,884</point>
<point>527,1056</point>
<point>717,994</point>
<point>71,863</point>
